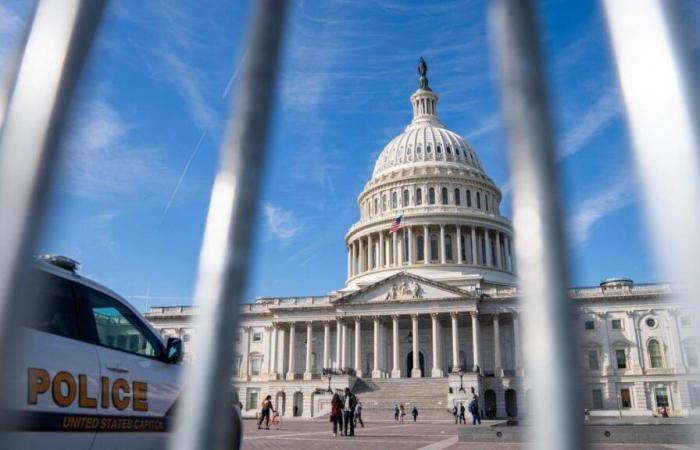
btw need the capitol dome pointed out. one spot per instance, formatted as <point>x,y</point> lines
<point>431,183</point>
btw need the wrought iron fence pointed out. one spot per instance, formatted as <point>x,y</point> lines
<point>663,125</point>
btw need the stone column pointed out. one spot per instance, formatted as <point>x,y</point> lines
<point>400,250</point>
<point>338,332</point>
<point>487,248</point>
<point>499,261</point>
<point>410,245</point>
<point>280,350</point>
<point>474,252</point>
<point>443,260</point>
<point>326,342</point>
<point>673,322</point>
<point>273,352</point>
<point>516,347</point>
<point>459,244</point>
<point>509,260</point>
<point>607,354</point>
<point>291,370</point>
<point>371,259</point>
<point>395,369</point>
<point>343,345</point>
<point>358,347</point>
<point>455,343</point>
<point>436,371</point>
<point>245,352</point>
<point>267,359</point>
<point>309,335</point>
<point>497,360</point>
<point>349,261</point>
<point>426,245</point>
<point>393,250</point>
<point>475,341</point>
<point>415,372</point>
<point>381,249</point>
<point>376,371</point>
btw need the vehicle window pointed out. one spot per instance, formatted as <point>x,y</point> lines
<point>118,328</point>
<point>57,313</point>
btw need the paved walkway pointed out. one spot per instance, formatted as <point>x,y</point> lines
<point>312,435</point>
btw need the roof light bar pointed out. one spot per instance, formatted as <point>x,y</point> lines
<point>61,261</point>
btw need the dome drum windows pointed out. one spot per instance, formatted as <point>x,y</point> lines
<point>433,247</point>
<point>383,202</point>
<point>419,196</point>
<point>458,201</point>
<point>438,150</point>
<point>420,242</point>
<point>444,196</point>
<point>469,198</point>
<point>394,200</point>
<point>406,198</point>
<point>478,200</point>
<point>431,196</point>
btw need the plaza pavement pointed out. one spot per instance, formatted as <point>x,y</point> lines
<point>385,435</point>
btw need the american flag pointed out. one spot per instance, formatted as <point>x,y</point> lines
<point>396,225</point>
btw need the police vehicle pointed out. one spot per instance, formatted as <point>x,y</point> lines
<point>90,372</point>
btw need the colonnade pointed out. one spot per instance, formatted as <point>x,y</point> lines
<point>430,244</point>
<point>339,360</point>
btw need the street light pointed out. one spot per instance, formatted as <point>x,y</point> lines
<point>461,385</point>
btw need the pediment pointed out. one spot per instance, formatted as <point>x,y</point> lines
<point>403,287</point>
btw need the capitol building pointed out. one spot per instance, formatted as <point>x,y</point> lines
<point>431,310</point>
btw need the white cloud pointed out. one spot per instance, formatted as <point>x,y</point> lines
<point>588,126</point>
<point>599,206</point>
<point>281,223</point>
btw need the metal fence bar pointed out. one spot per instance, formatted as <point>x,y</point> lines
<point>549,340</point>
<point>204,417</point>
<point>35,105</point>
<point>661,100</point>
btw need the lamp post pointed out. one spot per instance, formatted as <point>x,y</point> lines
<point>461,385</point>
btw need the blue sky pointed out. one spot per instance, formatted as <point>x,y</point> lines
<point>138,161</point>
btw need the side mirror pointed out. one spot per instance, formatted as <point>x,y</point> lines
<point>174,350</point>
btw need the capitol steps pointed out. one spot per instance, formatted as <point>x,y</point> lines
<point>378,397</point>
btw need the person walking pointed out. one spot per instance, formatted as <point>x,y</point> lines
<point>454,413</point>
<point>348,412</point>
<point>358,414</point>
<point>462,419</point>
<point>402,413</point>
<point>474,410</point>
<point>396,412</point>
<point>336,414</point>
<point>265,408</point>
<point>414,412</point>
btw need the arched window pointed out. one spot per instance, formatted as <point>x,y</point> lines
<point>420,242</point>
<point>469,198</point>
<point>457,150</point>
<point>384,202</point>
<point>394,201</point>
<point>439,150</point>
<point>405,246</point>
<point>444,196</point>
<point>478,200</point>
<point>448,246</point>
<point>237,359</point>
<point>655,354</point>
<point>255,363</point>
<point>449,151</point>
<point>376,205</point>
<point>431,196</point>
<point>486,200</point>
<point>419,196</point>
<point>428,149</point>
<point>458,201</point>
<point>405,197</point>
<point>433,247</point>
<point>483,250</point>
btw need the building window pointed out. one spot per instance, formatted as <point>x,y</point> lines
<point>405,197</point>
<point>314,363</point>
<point>651,323</point>
<point>420,243</point>
<point>661,394</point>
<point>253,397</point>
<point>478,200</point>
<point>431,196</point>
<point>448,247</point>
<point>419,196</point>
<point>428,149</point>
<point>255,363</point>
<point>394,200</point>
<point>691,355</point>
<point>458,201</point>
<point>257,336</point>
<point>597,399</point>
<point>433,247</point>
<point>186,338</point>
<point>469,198</point>
<point>685,321</point>
<point>621,358</point>
<point>376,205</point>
<point>593,360</point>
<point>237,359</point>
<point>486,202</point>
<point>449,151</point>
<point>444,196</point>
<point>464,247</point>
<point>616,324</point>
<point>384,202</point>
<point>655,354</point>
<point>695,395</point>
<point>405,247</point>
<point>589,325</point>
<point>625,398</point>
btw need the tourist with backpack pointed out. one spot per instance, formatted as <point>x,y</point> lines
<point>474,410</point>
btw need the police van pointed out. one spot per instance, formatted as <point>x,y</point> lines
<point>90,371</point>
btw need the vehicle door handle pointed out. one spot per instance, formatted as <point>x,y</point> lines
<point>117,369</point>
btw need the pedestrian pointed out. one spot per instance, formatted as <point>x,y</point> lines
<point>296,410</point>
<point>336,414</point>
<point>474,410</point>
<point>265,408</point>
<point>358,414</point>
<point>462,419</point>
<point>348,411</point>
<point>454,413</point>
<point>402,413</point>
<point>396,412</point>
<point>414,412</point>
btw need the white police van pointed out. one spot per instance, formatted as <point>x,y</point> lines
<point>90,372</point>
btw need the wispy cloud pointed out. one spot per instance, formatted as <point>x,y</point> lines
<point>182,174</point>
<point>591,123</point>
<point>11,24</point>
<point>611,198</point>
<point>281,223</point>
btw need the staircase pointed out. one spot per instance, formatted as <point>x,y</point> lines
<point>378,397</point>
